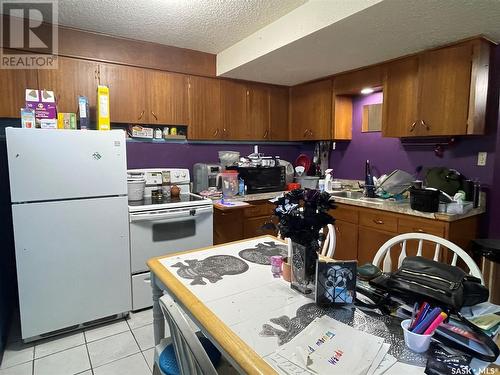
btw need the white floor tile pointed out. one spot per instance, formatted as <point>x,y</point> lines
<point>150,357</point>
<point>100,332</point>
<point>144,337</point>
<point>16,353</point>
<point>133,365</point>
<point>112,348</point>
<point>58,343</point>
<point>22,369</point>
<point>67,362</point>
<point>140,319</point>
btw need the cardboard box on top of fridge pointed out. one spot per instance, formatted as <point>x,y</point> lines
<point>103,122</point>
<point>43,102</point>
<point>66,120</point>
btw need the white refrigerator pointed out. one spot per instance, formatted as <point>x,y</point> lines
<point>70,215</point>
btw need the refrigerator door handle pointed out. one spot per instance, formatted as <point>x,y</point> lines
<point>162,215</point>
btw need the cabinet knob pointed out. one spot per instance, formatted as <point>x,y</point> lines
<point>156,118</point>
<point>419,230</point>
<point>423,123</point>
<point>266,134</point>
<point>140,116</point>
<point>305,132</point>
<point>378,221</point>
<point>412,126</point>
<point>216,132</point>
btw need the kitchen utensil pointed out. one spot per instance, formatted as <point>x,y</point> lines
<point>175,191</point>
<point>304,161</point>
<point>299,170</point>
<point>228,158</point>
<point>397,182</point>
<point>135,188</point>
<point>308,182</point>
<point>229,183</point>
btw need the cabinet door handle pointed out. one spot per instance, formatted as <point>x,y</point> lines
<point>337,229</point>
<point>156,118</point>
<point>224,131</point>
<point>305,132</point>
<point>419,230</point>
<point>412,126</point>
<point>378,221</point>
<point>216,132</point>
<point>266,133</point>
<point>142,114</point>
<point>423,123</point>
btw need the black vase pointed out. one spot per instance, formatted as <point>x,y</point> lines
<point>303,264</point>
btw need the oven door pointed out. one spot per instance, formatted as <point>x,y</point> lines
<point>155,233</point>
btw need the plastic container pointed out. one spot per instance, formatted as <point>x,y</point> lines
<point>308,182</point>
<point>424,200</point>
<point>228,158</point>
<point>135,189</point>
<point>417,343</point>
<point>229,183</point>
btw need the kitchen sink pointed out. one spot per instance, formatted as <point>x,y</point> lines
<point>348,194</point>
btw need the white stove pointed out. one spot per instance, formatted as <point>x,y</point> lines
<point>164,226</point>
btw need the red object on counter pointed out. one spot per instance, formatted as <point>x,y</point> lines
<point>304,161</point>
<point>292,186</point>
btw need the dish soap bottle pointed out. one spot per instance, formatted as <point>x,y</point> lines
<point>241,187</point>
<point>369,184</point>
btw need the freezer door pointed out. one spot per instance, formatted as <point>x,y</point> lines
<point>73,262</point>
<point>49,164</point>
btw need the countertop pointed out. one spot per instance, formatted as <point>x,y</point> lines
<point>374,203</point>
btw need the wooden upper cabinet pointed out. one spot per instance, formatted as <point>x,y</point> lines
<point>204,108</point>
<point>278,116</point>
<point>440,92</point>
<point>167,98</point>
<point>73,77</point>
<point>445,78</point>
<point>353,82</point>
<point>399,108</point>
<point>127,93</point>
<point>14,82</point>
<point>311,111</point>
<point>233,109</point>
<point>257,124</point>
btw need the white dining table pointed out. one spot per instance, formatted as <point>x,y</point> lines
<point>237,303</point>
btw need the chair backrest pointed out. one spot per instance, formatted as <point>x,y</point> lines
<point>329,243</point>
<point>383,254</point>
<point>190,354</point>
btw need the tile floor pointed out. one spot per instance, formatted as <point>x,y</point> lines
<point>123,347</point>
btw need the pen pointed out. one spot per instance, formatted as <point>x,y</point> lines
<point>435,323</point>
<point>424,310</point>
<point>431,316</point>
<point>413,314</point>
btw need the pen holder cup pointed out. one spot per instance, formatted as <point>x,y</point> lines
<point>417,343</point>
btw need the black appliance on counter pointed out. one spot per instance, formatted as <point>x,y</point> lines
<point>262,179</point>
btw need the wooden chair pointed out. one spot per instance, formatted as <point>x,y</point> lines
<point>329,243</point>
<point>192,359</point>
<point>383,254</point>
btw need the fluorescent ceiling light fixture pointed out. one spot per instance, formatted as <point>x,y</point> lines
<point>367,90</point>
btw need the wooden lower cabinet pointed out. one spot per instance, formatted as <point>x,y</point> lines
<point>346,240</point>
<point>228,225</point>
<point>239,223</point>
<point>361,231</point>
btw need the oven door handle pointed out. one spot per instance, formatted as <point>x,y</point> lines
<point>158,215</point>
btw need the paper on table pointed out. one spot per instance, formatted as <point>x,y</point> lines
<point>349,352</point>
<point>319,331</point>
<point>379,358</point>
<point>283,364</point>
<point>387,362</point>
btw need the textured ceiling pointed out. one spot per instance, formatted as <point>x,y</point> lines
<point>203,25</point>
<point>386,30</point>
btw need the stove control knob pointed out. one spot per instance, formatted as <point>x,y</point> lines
<point>176,175</point>
<point>183,175</point>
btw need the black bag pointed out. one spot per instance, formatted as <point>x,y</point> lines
<point>425,279</point>
<point>422,279</point>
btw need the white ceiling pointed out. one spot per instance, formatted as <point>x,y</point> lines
<point>381,31</point>
<point>203,25</point>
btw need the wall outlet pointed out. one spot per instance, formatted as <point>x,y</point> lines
<point>481,158</point>
<point>334,146</point>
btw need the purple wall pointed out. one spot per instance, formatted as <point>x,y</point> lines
<point>184,155</point>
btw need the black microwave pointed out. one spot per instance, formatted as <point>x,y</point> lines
<point>262,179</point>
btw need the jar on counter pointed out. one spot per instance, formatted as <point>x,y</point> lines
<point>158,133</point>
<point>165,132</point>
